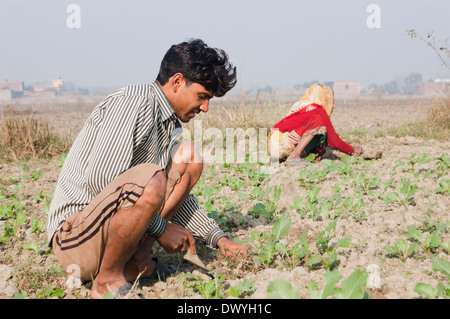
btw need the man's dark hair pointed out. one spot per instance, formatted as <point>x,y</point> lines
<point>200,64</point>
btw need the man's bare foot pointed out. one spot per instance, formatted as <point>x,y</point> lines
<point>100,290</point>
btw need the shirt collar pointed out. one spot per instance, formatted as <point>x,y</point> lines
<point>166,110</point>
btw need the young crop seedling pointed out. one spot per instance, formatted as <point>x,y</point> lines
<point>216,288</point>
<point>252,173</point>
<point>269,207</point>
<point>438,265</point>
<point>246,288</point>
<point>258,193</point>
<point>402,249</point>
<point>281,289</point>
<point>208,289</point>
<point>235,183</point>
<point>352,205</point>
<point>311,176</point>
<point>12,225</point>
<point>444,187</point>
<point>350,288</point>
<point>46,199</point>
<point>50,292</point>
<point>429,243</point>
<point>443,165</point>
<point>411,164</point>
<point>403,194</point>
<point>328,256</point>
<point>367,185</point>
<point>298,252</point>
<point>311,207</point>
<point>267,244</point>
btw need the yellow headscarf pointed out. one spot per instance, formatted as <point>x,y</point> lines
<point>318,94</point>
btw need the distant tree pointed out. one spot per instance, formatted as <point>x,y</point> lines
<point>373,86</point>
<point>391,87</point>
<point>413,83</point>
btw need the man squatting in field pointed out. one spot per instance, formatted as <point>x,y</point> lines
<point>126,176</point>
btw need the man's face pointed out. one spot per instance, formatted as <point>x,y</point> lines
<point>190,100</point>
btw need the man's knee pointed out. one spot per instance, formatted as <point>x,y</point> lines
<point>186,152</point>
<point>155,190</point>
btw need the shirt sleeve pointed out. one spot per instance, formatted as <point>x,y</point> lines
<point>333,138</point>
<point>193,217</point>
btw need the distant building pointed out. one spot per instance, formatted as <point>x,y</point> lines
<point>13,89</point>
<point>55,87</point>
<point>346,89</point>
<point>5,94</point>
<point>439,86</point>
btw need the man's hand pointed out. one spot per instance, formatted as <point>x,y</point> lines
<point>176,238</point>
<point>230,248</point>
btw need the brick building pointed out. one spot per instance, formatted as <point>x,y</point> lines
<point>346,89</point>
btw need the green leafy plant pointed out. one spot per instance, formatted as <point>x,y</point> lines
<point>50,292</point>
<point>245,288</point>
<point>12,225</point>
<point>258,193</point>
<point>328,256</point>
<point>31,246</point>
<point>298,252</point>
<point>440,290</point>
<point>252,173</point>
<point>444,187</point>
<point>281,289</point>
<point>350,288</point>
<point>234,182</point>
<point>269,207</point>
<point>312,176</point>
<point>402,249</point>
<point>216,287</point>
<point>208,289</point>
<point>443,164</point>
<point>267,244</point>
<point>429,243</point>
<point>311,207</point>
<point>37,226</point>
<point>403,194</point>
<point>410,165</point>
<point>353,205</point>
<point>46,199</point>
<point>367,185</point>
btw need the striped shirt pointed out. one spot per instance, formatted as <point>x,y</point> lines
<point>134,125</point>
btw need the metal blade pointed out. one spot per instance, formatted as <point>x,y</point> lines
<point>193,259</point>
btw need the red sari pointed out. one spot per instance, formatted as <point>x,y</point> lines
<point>312,120</point>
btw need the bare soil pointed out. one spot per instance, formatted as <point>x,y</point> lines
<point>374,228</point>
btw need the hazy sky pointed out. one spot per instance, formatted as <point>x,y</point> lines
<point>278,43</point>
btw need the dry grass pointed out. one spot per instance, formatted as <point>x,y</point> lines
<point>436,124</point>
<point>23,138</point>
<point>439,112</point>
<point>252,115</point>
